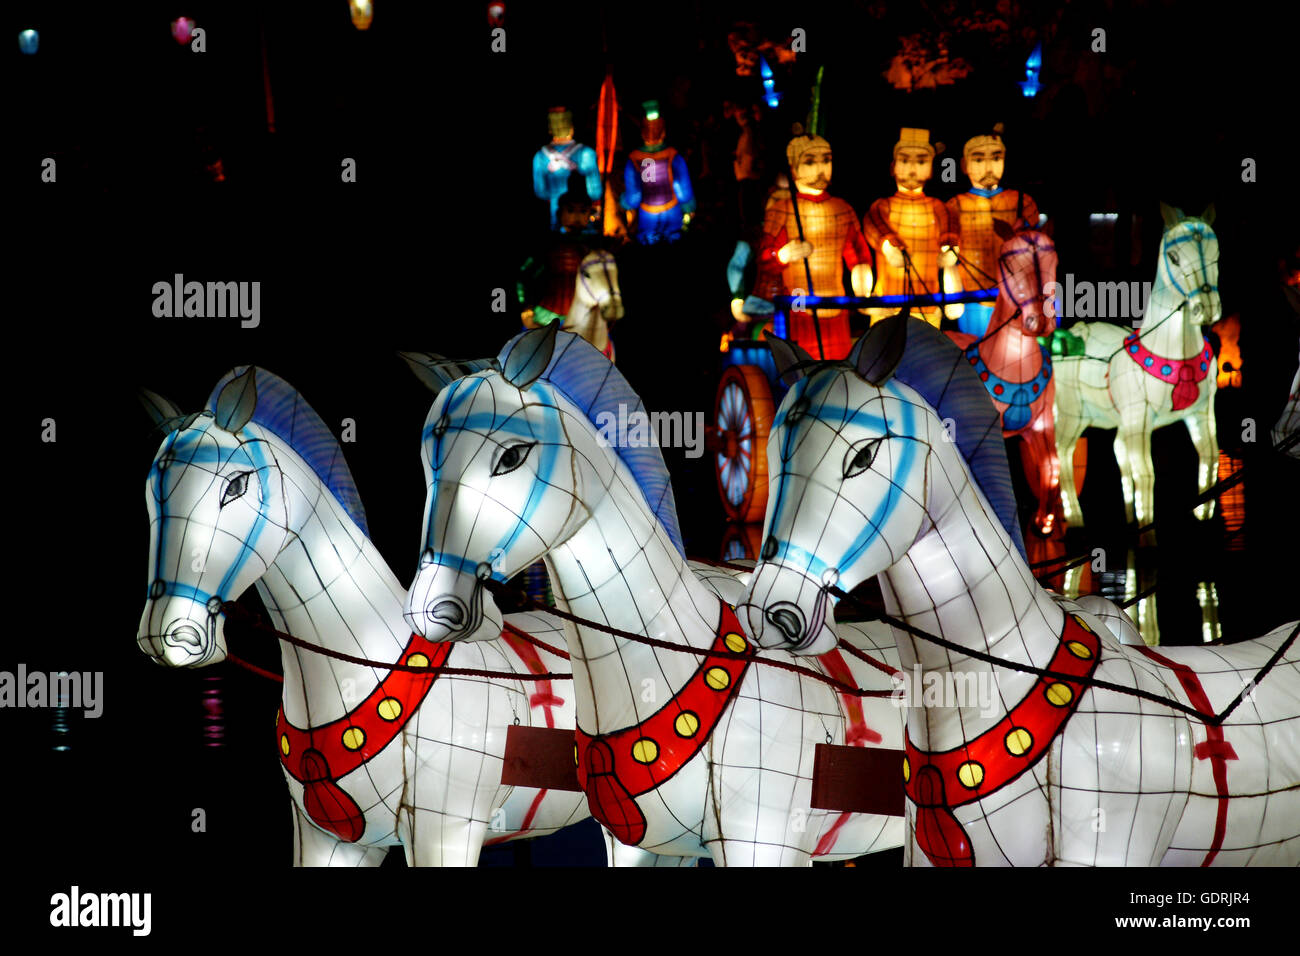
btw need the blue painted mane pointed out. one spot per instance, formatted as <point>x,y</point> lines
<point>934,366</point>
<point>584,376</point>
<point>285,413</point>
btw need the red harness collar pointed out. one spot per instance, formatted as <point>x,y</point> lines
<point>617,767</point>
<point>318,756</point>
<point>936,782</point>
<point>1184,375</point>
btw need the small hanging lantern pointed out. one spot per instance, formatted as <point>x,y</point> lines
<point>182,30</point>
<point>1030,85</point>
<point>496,13</point>
<point>29,41</point>
<point>363,11</point>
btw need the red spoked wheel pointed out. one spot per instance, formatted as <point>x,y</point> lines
<point>741,542</point>
<point>742,417</point>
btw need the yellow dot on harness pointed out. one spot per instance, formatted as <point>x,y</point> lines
<point>1078,649</point>
<point>971,774</point>
<point>1082,623</point>
<point>645,750</point>
<point>735,642</point>
<point>907,770</point>
<point>278,712</point>
<point>1019,741</point>
<point>390,708</point>
<point>717,678</point>
<point>575,755</point>
<point>284,744</point>
<point>417,660</point>
<point>1058,694</point>
<point>686,724</point>
<point>353,738</point>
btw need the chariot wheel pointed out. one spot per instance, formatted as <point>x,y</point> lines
<point>742,417</point>
<point>741,542</point>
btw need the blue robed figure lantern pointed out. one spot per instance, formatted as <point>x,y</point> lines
<point>555,162</point>
<point>656,184</point>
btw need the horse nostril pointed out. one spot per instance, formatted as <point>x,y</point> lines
<point>788,620</point>
<point>447,612</point>
<point>186,634</point>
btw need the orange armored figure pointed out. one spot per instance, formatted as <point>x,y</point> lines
<point>973,212</point>
<point>812,241</point>
<point>912,234</point>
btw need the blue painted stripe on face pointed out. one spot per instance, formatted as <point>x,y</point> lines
<point>549,437</point>
<point>254,448</point>
<point>176,589</point>
<point>810,563</point>
<point>201,453</point>
<point>902,472</point>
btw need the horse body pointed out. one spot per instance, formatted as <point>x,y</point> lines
<point>1106,388</point>
<point>1058,772</point>
<point>234,508</point>
<point>734,785</point>
<point>1016,370</point>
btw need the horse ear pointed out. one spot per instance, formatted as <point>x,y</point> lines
<point>160,409</point>
<point>1003,229</point>
<point>1172,215</point>
<point>166,414</point>
<point>437,371</point>
<point>791,360</point>
<point>529,356</point>
<point>1208,216</point>
<point>878,352</point>
<point>237,401</point>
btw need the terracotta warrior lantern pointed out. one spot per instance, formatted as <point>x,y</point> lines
<point>973,212</point>
<point>826,235</point>
<point>913,234</point>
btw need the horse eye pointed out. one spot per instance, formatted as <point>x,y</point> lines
<point>859,458</point>
<point>1173,257</point>
<point>235,488</point>
<point>512,458</point>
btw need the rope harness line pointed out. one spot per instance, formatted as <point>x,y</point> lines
<point>1213,720</point>
<point>245,618</point>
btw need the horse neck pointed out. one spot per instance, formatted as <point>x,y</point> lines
<point>620,568</point>
<point>329,586</point>
<point>1166,330</point>
<point>963,580</point>
<point>582,310</point>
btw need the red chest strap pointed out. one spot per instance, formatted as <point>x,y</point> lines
<point>1185,375</point>
<point>936,782</point>
<point>318,756</point>
<point>615,768</point>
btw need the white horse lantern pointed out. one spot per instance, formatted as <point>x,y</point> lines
<point>254,490</point>
<point>688,752</point>
<point>1136,382</point>
<point>1061,770</point>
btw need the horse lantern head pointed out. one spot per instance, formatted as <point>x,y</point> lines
<point>217,520</point>
<point>1189,263</point>
<point>1026,271</point>
<point>849,455</point>
<point>502,481</point>
<point>598,284</point>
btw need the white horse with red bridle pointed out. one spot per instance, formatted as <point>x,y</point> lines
<point>684,750</point>
<point>866,480</point>
<point>1138,381</point>
<point>255,490</point>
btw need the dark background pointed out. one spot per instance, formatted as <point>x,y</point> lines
<point>443,132</point>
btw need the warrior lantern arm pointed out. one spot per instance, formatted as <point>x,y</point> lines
<point>631,197</point>
<point>876,226</point>
<point>590,170</point>
<point>682,184</point>
<point>539,175</point>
